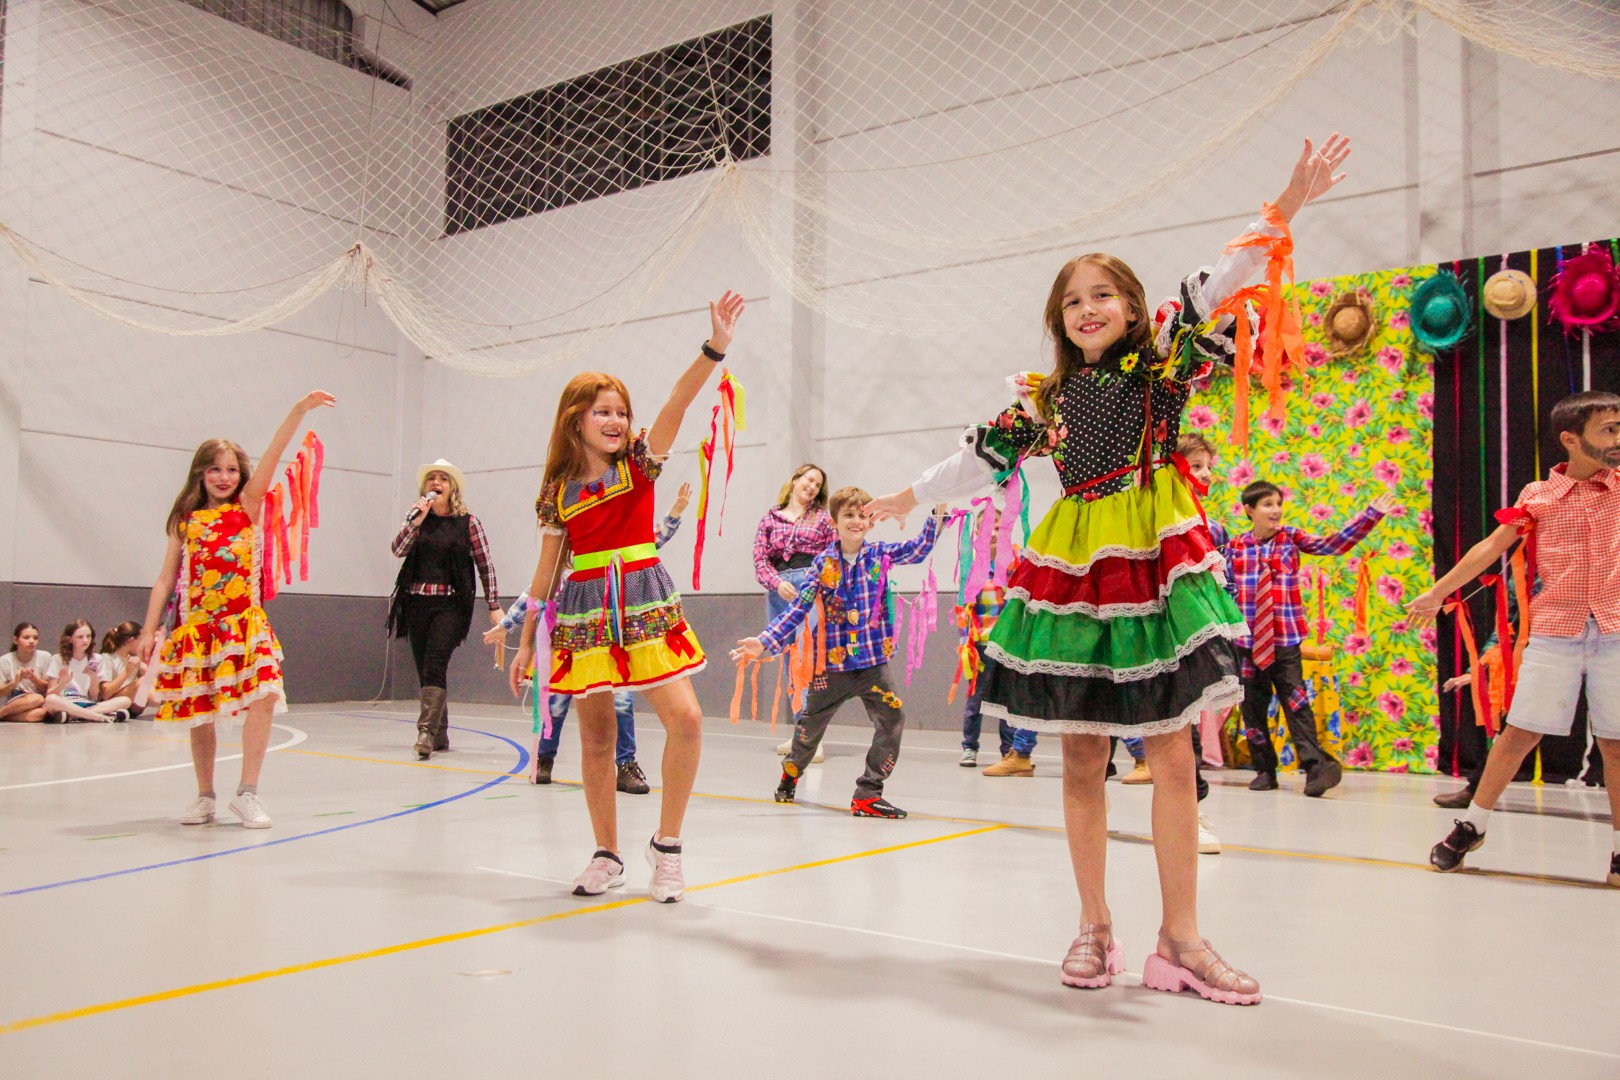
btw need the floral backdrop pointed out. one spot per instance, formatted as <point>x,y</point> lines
<point>1356,426</point>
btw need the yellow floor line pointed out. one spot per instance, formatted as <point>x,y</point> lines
<point>1283,853</point>
<point>444,939</point>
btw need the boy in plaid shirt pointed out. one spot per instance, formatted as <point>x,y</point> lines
<point>851,580</point>
<point>1573,521</point>
<point>1262,565</point>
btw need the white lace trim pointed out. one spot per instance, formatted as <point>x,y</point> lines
<point>265,689</point>
<point>1210,562</point>
<point>1217,696</point>
<point>1112,551</point>
<point>1230,631</point>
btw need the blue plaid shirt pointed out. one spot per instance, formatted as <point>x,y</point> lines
<point>849,597</point>
<point>1245,554</point>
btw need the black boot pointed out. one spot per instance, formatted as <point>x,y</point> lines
<point>441,726</point>
<point>1263,781</point>
<point>427,720</point>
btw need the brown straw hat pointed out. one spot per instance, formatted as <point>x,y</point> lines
<point>1509,294</point>
<point>1349,323</point>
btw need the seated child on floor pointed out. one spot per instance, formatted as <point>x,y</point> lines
<point>851,581</point>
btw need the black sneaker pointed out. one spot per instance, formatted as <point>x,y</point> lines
<point>1322,778</point>
<point>786,789</point>
<point>542,770</point>
<point>877,806</point>
<point>1614,870</point>
<point>1447,855</point>
<point>1263,781</point>
<point>632,781</point>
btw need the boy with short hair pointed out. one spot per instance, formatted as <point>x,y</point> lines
<point>851,580</point>
<point>1263,567</point>
<point>1573,518</point>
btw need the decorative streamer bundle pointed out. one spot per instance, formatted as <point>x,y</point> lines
<point>1282,339</point>
<point>725,420</point>
<point>289,516</point>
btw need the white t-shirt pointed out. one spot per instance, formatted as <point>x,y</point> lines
<point>78,683</point>
<point>112,666</point>
<point>43,663</point>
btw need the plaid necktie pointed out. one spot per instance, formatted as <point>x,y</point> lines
<point>1265,620</point>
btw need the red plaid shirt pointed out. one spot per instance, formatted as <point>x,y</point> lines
<point>779,539</point>
<point>1577,544</point>
<point>1245,554</point>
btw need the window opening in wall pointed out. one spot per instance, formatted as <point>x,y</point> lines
<point>322,27</point>
<point>666,114</point>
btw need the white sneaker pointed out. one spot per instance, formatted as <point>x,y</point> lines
<point>251,811</point>
<point>816,759</point>
<point>969,759</point>
<point>602,873</point>
<point>200,812</point>
<point>668,883</point>
<point>1208,842</point>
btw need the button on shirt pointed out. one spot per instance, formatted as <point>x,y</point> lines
<point>1577,544</point>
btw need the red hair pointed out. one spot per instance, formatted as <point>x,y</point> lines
<point>566,456</point>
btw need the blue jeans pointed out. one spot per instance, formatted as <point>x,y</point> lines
<point>1016,739</point>
<point>623,711</point>
<point>1134,745</point>
<point>775,605</point>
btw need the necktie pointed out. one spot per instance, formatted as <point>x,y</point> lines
<point>1264,630</point>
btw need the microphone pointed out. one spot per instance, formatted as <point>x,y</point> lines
<point>416,507</point>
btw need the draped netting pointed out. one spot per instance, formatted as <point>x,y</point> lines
<point>513,180</point>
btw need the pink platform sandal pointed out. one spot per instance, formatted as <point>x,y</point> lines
<point>1094,958</point>
<point>1197,966</point>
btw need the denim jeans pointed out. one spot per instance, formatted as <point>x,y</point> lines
<point>973,723</point>
<point>623,711</point>
<point>775,605</point>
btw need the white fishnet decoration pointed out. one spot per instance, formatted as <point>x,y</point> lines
<point>188,176</point>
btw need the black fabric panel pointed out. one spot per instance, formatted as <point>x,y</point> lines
<point>1102,701</point>
<point>1470,461</point>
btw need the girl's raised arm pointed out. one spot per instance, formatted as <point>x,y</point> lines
<point>723,316</point>
<point>264,473</point>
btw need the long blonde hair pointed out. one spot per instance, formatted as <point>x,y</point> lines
<point>1066,355</point>
<point>566,456</point>
<point>193,496</point>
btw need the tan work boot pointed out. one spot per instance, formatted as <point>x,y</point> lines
<point>427,723</point>
<point>1014,764</point>
<point>1138,775</point>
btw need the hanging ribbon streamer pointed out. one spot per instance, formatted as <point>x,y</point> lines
<point>705,467</point>
<point>1321,606</point>
<point>274,531</point>
<point>725,420</point>
<point>1465,624</point>
<point>1363,586</point>
<point>1282,339</point>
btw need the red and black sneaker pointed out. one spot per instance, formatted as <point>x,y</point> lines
<point>786,789</point>
<point>877,806</point>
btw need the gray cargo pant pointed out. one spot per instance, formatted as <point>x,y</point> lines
<point>831,689</point>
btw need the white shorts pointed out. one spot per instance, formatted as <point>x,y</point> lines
<point>1550,683</point>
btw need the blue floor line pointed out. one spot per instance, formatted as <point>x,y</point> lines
<point>518,770</point>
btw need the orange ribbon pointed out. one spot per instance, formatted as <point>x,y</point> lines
<point>1465,624</point>
<point>1363,584</point>
<point>1282,338</point>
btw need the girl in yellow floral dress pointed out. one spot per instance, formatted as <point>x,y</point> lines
<point>222,657</point>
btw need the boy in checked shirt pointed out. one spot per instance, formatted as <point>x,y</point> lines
<point>851,580</point>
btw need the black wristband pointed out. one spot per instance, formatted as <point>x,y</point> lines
<point>711,354</point>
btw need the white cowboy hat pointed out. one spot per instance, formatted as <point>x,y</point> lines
<point>441,466</point>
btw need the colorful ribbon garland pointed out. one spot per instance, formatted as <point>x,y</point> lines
<point>725,420</point>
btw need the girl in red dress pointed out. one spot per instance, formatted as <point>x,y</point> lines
<point>222,657</point>
<point>619,618</point>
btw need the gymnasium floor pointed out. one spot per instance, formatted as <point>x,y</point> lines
<point>406,919</point>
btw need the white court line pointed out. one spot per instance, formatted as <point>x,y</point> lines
<point>298,736</point>
<point>531,877</point>
<point>1054,963</point>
